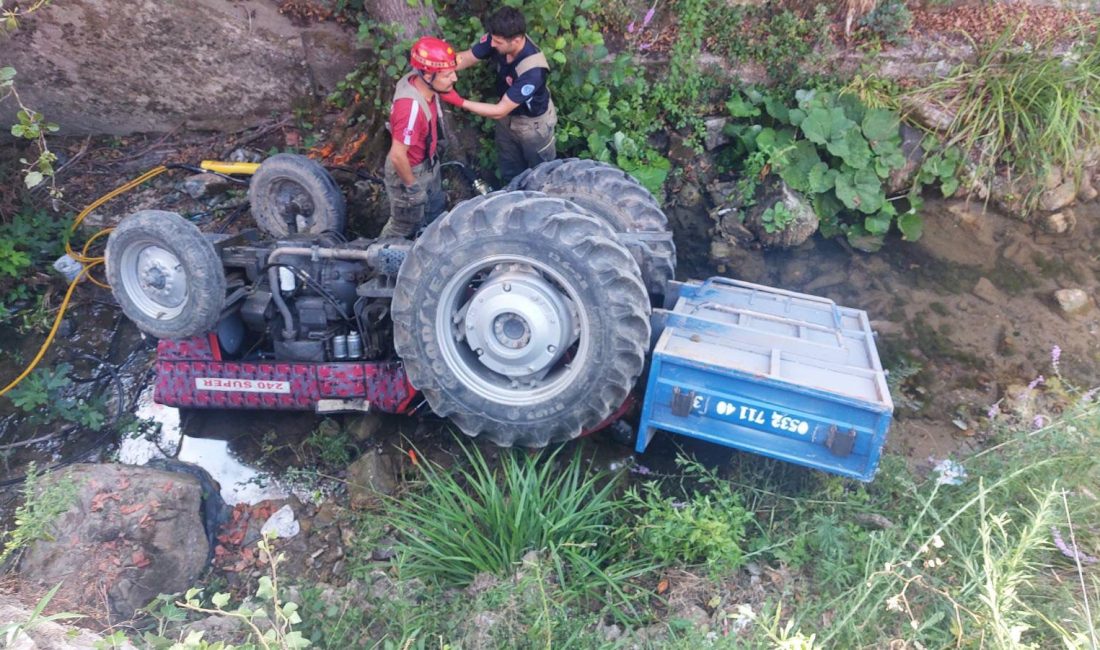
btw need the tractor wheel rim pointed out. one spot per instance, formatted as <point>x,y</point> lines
<point>154,279</point>
<point>505,326</point>
<point>296,207</point>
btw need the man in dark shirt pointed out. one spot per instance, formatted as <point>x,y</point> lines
<point>525,114</point>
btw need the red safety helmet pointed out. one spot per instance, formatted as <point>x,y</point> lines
<point>431,54</point>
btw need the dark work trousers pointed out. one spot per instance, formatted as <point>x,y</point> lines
<point>416,206</point>
<point>524,142</point>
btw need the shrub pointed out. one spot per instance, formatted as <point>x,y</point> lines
<point>692,527</point>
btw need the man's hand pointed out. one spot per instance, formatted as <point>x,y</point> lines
<point>452,98</point>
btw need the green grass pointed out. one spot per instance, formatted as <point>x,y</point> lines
<point>1023,111</point>
<point>544,551</point>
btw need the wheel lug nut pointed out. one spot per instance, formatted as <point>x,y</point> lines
<point>479,352</point>
<point>507,286</point>
<point>551,349</point>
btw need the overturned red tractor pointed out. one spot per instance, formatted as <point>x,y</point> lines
<point>522,315</point>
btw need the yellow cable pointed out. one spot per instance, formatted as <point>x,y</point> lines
<point>53,330</point>
<point>83,258</point>
<point>87,260</point>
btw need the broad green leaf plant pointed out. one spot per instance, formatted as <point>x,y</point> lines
<point>839,153</point>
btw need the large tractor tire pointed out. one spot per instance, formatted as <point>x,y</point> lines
<point>522,318</point>
<point>615,196</point>
<point>165,274</point>
<point>294,194</point>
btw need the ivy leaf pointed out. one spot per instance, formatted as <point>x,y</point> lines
<point>822,178</point>
<point>777,108</point>
<point>802,159</point>
<point>827,206</point>
<point>765,139</point>
<point>851,147</point>
<point>889,156</point>
<point>796,116</point>
<point>738,107</point>
<point>804,97</point>
<point>877,224</point>
<point>33,178</point>
<point>911,226</point>
<point>824,125</point>
<point>949,186</point>
<point>861,190</point>
<point>880,125</point>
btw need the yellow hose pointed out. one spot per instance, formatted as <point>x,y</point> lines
<point>53,330</point>
<point>87,260</point>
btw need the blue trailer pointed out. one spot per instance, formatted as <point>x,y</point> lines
<point>778,373</point>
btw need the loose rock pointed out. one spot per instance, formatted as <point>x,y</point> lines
<point>1058,223</point>
<point>372,474</point>
<point>1059,197</point>
<point>131,533</point>
<point>988,292</point>
<point>201,186</point>
<point>1072,301</point>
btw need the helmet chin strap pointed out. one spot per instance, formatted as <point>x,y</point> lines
<point>430,80</point>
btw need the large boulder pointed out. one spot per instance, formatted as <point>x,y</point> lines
<point>132,533</point>
<point>803,220</point>
<point>125,66</point>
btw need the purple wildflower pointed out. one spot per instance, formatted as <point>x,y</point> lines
<point>649,15</point>
<point>1072,553</point>
<point>1035,382</point>
<point>630,27</point>
<point>1039,422</point>
<point>994,410</point>
<point>640,469</point>
<point>1055,355</point>
<point>1090,394</point>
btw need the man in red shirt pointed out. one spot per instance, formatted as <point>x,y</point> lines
<point>413,182</point>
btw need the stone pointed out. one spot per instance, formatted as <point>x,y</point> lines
<point>986,290</point>
<point>479,631</point>
<point>1072,302</point>
<point>46,634</point>
<point>369,476</point>
<point>229,629</point>
<point>115,67</point>
<point>1058,223</point>
<point>1087,191</point>
<point>928,114</point>
<point>132,533</point>
<point>609,633</point>
<point>1019,400</point>
<point>384,550</point>
<point>365,426</point>
<point>1053,177</point>
<point>715,135</point>
<point>1059,197</point>
<point>679,151</point>
<point>689,195</point>
<point>803,225</point>
<point>1010,196</point>
<point>693,614</point>
<point>201,186</point>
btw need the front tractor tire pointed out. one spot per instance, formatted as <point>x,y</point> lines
<point>522,318</point>
<point>165,274</point>
<point>619,199</point>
